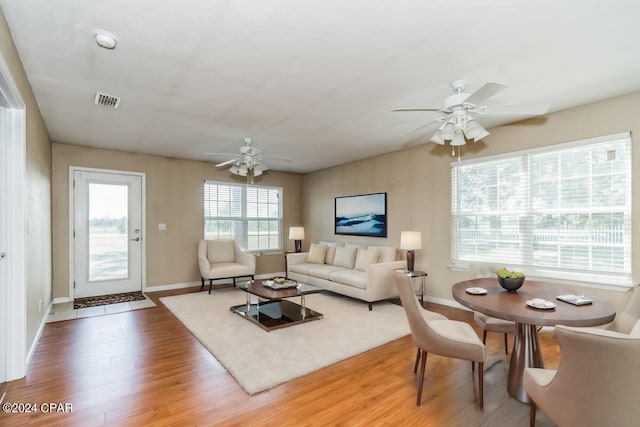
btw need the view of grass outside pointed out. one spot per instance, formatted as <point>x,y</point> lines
<point>108,236</point>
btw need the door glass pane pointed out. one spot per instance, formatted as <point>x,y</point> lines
<point>108,225</point>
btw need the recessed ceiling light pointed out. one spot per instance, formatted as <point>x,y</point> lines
<point>106,40</point>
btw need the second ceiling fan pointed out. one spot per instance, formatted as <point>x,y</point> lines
<point>462,109</point>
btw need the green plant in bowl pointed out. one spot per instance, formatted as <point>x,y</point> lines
<point>510,280</point>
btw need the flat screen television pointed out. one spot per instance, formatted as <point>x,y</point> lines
<point>361,215</point>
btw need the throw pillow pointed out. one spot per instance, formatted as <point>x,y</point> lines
<point>385,253</point>
<point>331,251</point>
<point>317,254</point>
<point>366,257</point>
<point>345,257</point>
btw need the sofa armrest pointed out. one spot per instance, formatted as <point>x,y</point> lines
<point>296,257</point>
<point>380,283</point>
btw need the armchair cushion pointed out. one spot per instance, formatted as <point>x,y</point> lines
<point>221,250</point>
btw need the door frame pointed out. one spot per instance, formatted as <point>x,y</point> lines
<point>143,207</point>
<point>13,301</point>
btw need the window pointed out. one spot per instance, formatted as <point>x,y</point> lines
<point>252,215</point>
<point>560,212</point>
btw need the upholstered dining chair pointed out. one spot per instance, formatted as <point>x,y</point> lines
<point>627,318</point>
<point>597,382</point>
<point>223,259</point>
<point>493,324</point>
<point>434,333</point>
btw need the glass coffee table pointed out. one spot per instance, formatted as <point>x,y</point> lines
<point>273,309</point>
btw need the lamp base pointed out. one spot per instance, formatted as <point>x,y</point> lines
<point>298,245</point>
<point>411,258</point>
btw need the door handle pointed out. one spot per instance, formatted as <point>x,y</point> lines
<point>137,239</point>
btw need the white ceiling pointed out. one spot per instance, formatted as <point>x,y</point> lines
<point>313,81</point>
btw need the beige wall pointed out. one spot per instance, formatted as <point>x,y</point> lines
<point>37,192</point>
<point>174,196</point>
<point>417,181</point>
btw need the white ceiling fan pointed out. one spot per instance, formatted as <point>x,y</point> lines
<point>247,162</point>
<point>462,111</point>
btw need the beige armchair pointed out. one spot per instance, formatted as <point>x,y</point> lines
<point>434,333</point>
<point>223,259</point>
<point>493,324</point>
<point>596,384</point>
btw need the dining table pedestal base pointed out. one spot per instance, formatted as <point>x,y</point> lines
<point>526,354</point>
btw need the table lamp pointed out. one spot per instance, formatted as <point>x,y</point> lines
<point>410,241</point>
<point>297,234</point>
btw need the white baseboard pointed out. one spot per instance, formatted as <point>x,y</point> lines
<point>62,300</point>
<point>36,339</point>
<point>173,286</point>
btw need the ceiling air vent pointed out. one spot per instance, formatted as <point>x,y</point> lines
<point>105,100</point>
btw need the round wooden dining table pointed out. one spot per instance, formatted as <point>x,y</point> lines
<point>497,302</point>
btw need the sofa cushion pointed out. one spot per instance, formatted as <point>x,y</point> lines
<point>322,271</point>
<point>354,278</point>
<point>345,256</point>
<point>221,250</point>
<point>331,251</point>
<point>317,254</point>
<point>366,257</point>
<point>386,253</point>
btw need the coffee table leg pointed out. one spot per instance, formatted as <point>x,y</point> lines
<point>525,354</point>
<point>303,310</point>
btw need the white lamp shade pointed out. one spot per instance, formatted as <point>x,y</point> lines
<point>475,131</point>
<point>458,139</point>
<point>437,138</point>
<point>296,233</point>
<point>410,240</point>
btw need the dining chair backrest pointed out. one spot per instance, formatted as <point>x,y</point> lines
<point>417,323</point>
<point>597,382</point>
<point>627,318</point>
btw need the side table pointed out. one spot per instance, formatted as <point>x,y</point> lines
<point>417,273</point>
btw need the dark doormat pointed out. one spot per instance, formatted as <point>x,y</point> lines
<point>107,299</point>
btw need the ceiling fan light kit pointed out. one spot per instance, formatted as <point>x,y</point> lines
<point>460,126</point>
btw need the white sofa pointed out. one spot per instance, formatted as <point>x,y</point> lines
<point>357,271</point>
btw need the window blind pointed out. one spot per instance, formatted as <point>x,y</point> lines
<point>251,215</point>
<point>562,212</point>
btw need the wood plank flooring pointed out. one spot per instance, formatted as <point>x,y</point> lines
<point>145,368</point>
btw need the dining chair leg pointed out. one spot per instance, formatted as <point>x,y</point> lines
<point>532,414</point>
<point>421,379</point>
<point>484,337</point>
<point>506,345</point>
<point>415,367</point>
<point>481,384</point>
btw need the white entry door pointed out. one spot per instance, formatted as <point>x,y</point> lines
<point>107,232</point>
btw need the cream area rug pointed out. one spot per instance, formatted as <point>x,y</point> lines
<point>260,360</point>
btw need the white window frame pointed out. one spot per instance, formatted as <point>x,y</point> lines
<point>242,218</point>
<point>621,277</point>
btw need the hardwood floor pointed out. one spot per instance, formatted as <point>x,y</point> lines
<point>145,368</point>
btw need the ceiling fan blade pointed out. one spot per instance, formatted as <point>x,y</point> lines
<point>517,110</point>
<point>228,162</point>
<point>422,126</point>
<point>219,154</point>
<point>416,109</point>
<point>485,92</point>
